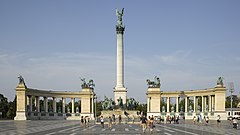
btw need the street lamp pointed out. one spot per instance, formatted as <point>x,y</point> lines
<point>95,112</point>
<point>231,90</point>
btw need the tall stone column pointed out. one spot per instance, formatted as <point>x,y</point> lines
<point>37,104</point>
<point>168,104</point>
<point>120,90</point>
<point>63,105</point>
<point>148,104</point>
<point>203,106</point>
<point>92,104</point>
<point>54,105</point>
<point>30,103</point>
<point>177,110</point>
<point>46,104</point>
<point>194,102</point>
<point>210,103</point>
<point>186,104</point>
<point>73,105</point>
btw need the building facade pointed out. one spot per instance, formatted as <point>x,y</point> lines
<point>206,102</point>
<point>29,106</point>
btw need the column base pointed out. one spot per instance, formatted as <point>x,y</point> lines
<point>20,116</point>
<point>120,92</point>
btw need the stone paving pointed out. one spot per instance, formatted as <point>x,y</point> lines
<point>64,127</point>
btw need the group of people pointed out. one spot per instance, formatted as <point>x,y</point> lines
<point>199,120</point>
<point>84,121</point>
<point>170,119</point>
<point>147,123</point>
<point>110,120</point>
<point>234,122</point>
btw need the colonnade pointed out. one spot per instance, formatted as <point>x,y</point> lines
<point>206,102</point>
<point>36,106</point>
<point>29,106</point>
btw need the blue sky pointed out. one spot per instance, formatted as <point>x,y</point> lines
<point>187,43</point>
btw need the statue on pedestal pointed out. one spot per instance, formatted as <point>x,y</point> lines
<point>119,15</point>
<point>68,109</point>
<point>163,108</point>
<point>77,109</point>
<point>172,109</point>
<point>21,80</point>
<point>190,108</point>
<point>90,83</point>
<point>220,81</point>
<point>154,84</point>
<point>131,104</point>
<point>120,102</point>
<point>107,104</point>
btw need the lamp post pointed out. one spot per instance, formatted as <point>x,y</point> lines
<point>95,111</point>
<point>231,90</point>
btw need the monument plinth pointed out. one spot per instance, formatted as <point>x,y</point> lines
<point>120,90</point>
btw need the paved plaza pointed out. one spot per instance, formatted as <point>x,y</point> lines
<point>63,127</point>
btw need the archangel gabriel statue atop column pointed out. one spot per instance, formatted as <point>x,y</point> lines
<point>119,15</point>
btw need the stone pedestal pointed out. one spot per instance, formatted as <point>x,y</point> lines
<point>120,92</point>
<point>87,103</point>
<point>153,102</point>
<point>21,102</point>
<point>124,114</point>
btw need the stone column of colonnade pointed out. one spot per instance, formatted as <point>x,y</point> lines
<point>203,103</point>
<point>168,104</point>
<point>186,105</point>
<point>45,104</point>
<point>54,105</point>
<point>177,103</point>
<point>73,101</point>
<point>63,105</point>
<point>37,104</point>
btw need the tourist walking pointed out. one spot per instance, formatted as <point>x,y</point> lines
<point>85,121</point>
<point>144,123</point>
<point>113,117</point>
<point>81,121</point>
<point>151,124</point>
<point>102,121</point>
<point>194,120</point>
<point>207,120</point>
<point>119,119</point>
<point>200,119</point>
<point>235,123</point>
<point>218,120</point>
<point>109,122</point>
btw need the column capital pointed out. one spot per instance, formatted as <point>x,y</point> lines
<point>120,29</point>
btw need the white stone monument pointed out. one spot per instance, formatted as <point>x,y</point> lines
<point>120,90</point>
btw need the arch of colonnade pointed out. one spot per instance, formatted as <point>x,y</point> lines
<point>41,104</point>
<point>206,102</point>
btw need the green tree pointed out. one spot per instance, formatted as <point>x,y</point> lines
<point>142,108</point>
<point>4,106</point>
<point>12,109</point>
<point>234,103</point>
<point>99,108</point>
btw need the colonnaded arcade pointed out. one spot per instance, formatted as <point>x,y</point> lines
<point>27,110</point>
<point>206,102</point>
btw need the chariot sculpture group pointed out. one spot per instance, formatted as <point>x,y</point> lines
<point>84,84</point>
<point>109,104</point>
<point>154,84</point>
